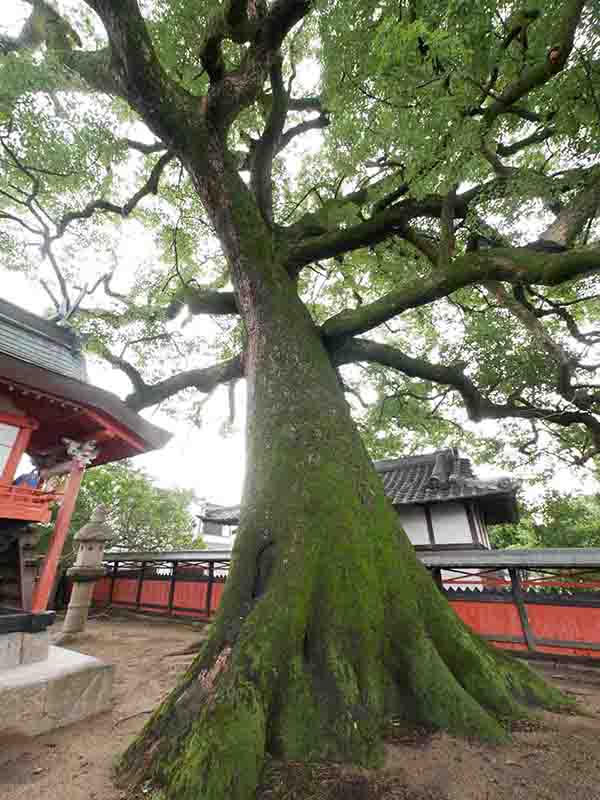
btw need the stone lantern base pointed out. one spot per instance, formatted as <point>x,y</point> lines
<point>64,688</point>
<point>44,687</point>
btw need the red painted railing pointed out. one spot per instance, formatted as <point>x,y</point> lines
<point>545,614</point>
<point>20,502</point>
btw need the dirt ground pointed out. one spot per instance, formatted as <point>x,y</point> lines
<point>556,758</point>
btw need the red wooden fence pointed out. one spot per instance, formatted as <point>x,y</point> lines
<point>511,616</point>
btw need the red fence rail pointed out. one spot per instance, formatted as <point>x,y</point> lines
<point>173,589</point>
<point>549,614</point>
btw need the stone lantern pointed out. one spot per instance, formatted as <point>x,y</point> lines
<point>92,539</point>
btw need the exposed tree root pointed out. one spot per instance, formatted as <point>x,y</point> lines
<point>298,698</point>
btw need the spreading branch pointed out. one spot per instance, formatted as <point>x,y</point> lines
<point>167,108</point>
<point>478,406</point>
<point>515,265</point>
<point>559,50</point>
<point>149,187</point>
<point>204,380</point>
<point>268,145</point>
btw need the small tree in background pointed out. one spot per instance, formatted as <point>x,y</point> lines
<point>142,515</point>
<point>558,520</point>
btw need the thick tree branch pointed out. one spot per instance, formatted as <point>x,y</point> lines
<point>237,89</point>
<point>142,147</point>
<point>391,221</point>
<point>447,242</point>
<point>268,145</point>
<point>282,16</point>
<point>169,110</point>
<point>322,121</point>
<point>535,76</point>
<point>477,405</point>
<point>514,265</point>
<point>571,220</point>
<point>231,22</point>
<point>542,135</point>
<point>205,380</point>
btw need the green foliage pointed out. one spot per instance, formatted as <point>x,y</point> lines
<point>142,515</point>
<point>557,520</point>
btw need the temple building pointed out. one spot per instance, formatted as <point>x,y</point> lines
<point>440,502</point>
<point>53,425</point>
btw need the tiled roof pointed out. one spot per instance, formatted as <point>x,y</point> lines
<point>434,477</point>
<point>430,478</point>
<point>220,515</point>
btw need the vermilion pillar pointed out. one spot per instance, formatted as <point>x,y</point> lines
<point>61,529</point>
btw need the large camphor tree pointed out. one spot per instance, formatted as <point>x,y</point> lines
<point>314,171</point>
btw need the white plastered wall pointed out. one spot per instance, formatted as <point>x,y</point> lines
<point>450,524</point>
<point>414,523</point>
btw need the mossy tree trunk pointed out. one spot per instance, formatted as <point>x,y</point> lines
<point>328,622</point>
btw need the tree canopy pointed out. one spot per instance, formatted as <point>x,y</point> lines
<point>429,172</point>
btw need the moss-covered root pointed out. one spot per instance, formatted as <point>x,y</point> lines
<point>207,740</point>
<point>499,682</point>
<point>210,739</point>
<point>224,752</point>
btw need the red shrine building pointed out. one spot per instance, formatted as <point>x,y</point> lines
<point>54,425</point>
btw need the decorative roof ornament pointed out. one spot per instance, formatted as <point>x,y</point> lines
<point>81,452</point>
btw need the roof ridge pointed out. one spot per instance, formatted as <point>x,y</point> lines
<point>388,464</point>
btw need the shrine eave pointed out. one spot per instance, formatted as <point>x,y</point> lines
<point>67,407</point>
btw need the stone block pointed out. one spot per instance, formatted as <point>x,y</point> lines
<point>22,709</point>
<point>35,647</point>
<point>10,649</point>
<point>64,688</point>
<point>79,695</point>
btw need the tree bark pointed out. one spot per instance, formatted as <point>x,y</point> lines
<point>328,623</point>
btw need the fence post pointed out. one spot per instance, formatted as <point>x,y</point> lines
<point>172,587</point>
<point>436,574</point>
<point>517,593</point>
<point>209,590</point>
<point>113,577</point>
<point>140,585</point>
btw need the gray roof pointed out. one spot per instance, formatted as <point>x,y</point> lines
<point>549,558</point>
<point>522,558</point>
<point>441,476</point>
<point>24,376</point>
<point>40,342</point>
<point>220,515</point>
<point>444,476</point>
